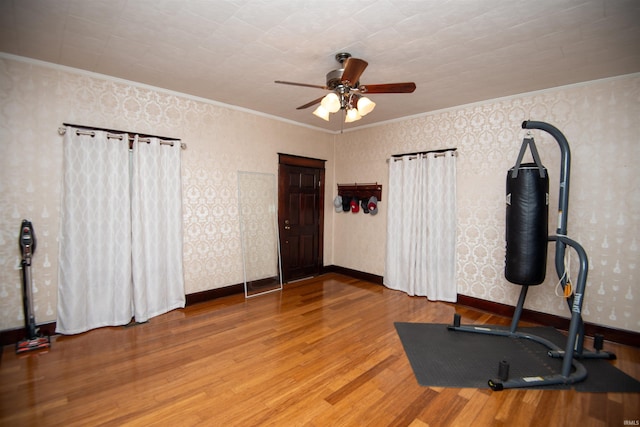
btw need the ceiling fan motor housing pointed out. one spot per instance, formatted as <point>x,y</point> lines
<point>334,78</point>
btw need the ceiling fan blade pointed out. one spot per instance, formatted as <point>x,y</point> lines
<point>406,87</point>
<point>353,68</point>
<point>309,104</point>
<point>300,84</point>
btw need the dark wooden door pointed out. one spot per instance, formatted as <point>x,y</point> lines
<point>300,216</point>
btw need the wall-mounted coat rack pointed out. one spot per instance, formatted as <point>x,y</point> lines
<point>360,191</point>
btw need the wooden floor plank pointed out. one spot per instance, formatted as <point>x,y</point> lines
<point>324,351</point>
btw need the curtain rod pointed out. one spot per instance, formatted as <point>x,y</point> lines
<point>141,135</point>
<point>417,153</point>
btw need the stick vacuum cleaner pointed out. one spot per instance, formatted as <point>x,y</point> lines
<point>33,340</point>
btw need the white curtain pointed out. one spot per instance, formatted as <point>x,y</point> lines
<point>94,276</point>
<point>421,226</point>
<point>121,232</point>
<point>156,211</point>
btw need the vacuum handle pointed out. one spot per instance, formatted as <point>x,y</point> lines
<point>27,239</point>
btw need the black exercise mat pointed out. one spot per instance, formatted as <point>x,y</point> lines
<point>443,358</point>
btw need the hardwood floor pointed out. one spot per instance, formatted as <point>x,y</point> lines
<point>324,352</point>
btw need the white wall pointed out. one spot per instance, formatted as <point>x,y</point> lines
<point>601,122</point>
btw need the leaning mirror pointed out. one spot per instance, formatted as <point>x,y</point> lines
<point>257,197</point>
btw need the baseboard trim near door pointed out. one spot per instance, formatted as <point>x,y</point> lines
<point>360,275</point>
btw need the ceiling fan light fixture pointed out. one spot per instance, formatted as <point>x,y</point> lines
<point>365,106</point>
<point>321,112</point>
<point>352,115</point>
<point>346,92</point>
<point>331,103</point>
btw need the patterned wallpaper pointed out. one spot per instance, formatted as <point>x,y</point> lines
<point>598,118</point>
<point>600,121</point>
<point>36,98</point>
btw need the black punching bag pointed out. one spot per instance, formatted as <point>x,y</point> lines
<point>527,224</point>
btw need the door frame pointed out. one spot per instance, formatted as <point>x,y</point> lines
<point>305,162</point>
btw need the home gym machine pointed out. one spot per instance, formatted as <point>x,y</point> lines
<point>33,340</point>
<point>525,263</point>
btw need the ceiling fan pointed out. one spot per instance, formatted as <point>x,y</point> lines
<point>347,93</point>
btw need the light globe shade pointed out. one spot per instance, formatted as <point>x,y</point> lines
<point>331,103</point>
<point>321,112</point>
<point>365,106</point>
<point>352,115</point>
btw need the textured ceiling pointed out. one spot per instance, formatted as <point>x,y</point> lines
<point>457,52</point>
